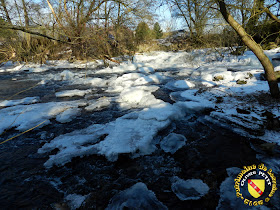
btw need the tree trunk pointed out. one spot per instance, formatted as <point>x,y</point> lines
<point>3,4</point>
<point>26,18</point>
<point>256,49</point>
<point>119,15</point>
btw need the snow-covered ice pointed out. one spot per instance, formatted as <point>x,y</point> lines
<point>75,201</point>
<point>24,117</point>
<point>173,142</point>
<point>191,189</point>
<point>140,96</point>
<point>132,134</point>
<point>99,104</point>
<point>68,115</point>
<point>71,93</point>
<point>24,101</point>
<point>136,197</point>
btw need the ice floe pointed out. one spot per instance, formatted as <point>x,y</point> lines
<point>71,93</point>
<point>136,197</point>
<point>191,189</point>
<point>24,117</point>
<point>24,101</point>
<point>173,142</point>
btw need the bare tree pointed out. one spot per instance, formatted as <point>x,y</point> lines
<point>196,14</point>
<point>252,45</point>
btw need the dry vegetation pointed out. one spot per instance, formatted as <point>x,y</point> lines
<point>88,30</point>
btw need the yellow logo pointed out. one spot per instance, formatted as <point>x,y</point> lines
<point>255,185</point>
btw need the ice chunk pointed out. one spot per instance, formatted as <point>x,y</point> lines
<point>136,197</point>
<point>132,134</point>
<point>173,142</point>
<point>122,68</point>
<point>208,83</point>
<point>100,104</point>
<point>68,115</point>
<point>75,200</point>
<point>161,112</point>
<point>28,100</point>
<point>191,106</point>
<point>74,144</point>
<point>96,82</point>
<point>126,80</point>
<point>194,101</point>
<point>66,75</point>
<point>138,97</point>
<point>24,117</point>
<point>154,78</point>
<point>71,93</point>
<point>184,84</point>
<point>191,189</point>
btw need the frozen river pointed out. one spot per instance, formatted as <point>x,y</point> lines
<point>170,128</point>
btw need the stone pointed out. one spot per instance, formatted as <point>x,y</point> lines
<point>241,82</point>
<point>249,75</point>
<point>218,78</point>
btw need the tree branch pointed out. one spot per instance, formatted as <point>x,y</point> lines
<point>269,13</point>
<point>18,28</point>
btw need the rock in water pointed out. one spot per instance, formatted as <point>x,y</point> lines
<point>172,142</point>
<point>191,189</point>
<point>218,78</point>
<point>136,197</point>
<point>241,82</point>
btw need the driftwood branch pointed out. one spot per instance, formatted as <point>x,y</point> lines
<point>110,59</point>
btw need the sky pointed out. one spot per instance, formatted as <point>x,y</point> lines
<point>166,21</point>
